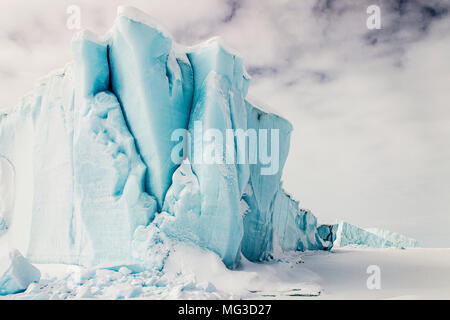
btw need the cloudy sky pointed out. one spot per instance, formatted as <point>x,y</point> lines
<point>370,108</point>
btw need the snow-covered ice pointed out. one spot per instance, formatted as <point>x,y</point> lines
<point>415,273</point>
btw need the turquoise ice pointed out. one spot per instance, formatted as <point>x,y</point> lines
<point>350,235</point>
<point>92,149</point>
<point>154,84</point>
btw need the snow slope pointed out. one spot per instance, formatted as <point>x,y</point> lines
<point>340,274</point>
<point>413,273</point>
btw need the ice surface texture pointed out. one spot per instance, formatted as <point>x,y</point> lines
<point>398,240</point>
<point>91,150</point>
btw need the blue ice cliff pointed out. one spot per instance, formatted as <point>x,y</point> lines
<point>16,273</point>
<point>346,234</point>
<point>90,153</point>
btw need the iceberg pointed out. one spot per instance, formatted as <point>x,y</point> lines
<point>154,83</point>
<point>124,151</point>
<point>350,235</point>
<point>296,228</point>
<point>398,239</point>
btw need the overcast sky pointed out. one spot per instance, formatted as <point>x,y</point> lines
<point>370,108</point>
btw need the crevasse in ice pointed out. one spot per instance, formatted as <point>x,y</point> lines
<point>91,156</point>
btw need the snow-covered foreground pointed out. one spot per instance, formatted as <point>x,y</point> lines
<point>191,273</point>
<point>415,273</point>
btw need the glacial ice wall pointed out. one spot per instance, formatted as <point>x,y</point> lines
<point>351,235</point>
<point>92,151</point>
<point>16,273</point>
<point>154,84</point>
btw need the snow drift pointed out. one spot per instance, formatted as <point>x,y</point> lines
<point>16,273</point>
